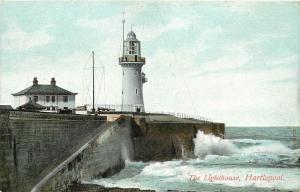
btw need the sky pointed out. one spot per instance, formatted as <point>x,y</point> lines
<point>231,62</point>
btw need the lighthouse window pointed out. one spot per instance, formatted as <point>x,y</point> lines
<point>136,72</point>
<point>136,92</point>
<point>47,98</point>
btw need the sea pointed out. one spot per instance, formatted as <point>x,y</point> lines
<point>248,159</point>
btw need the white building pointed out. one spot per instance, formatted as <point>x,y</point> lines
<point>132,75</point>
<point>50,96</point>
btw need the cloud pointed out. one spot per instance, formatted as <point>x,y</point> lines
<point>72,72</point>
<point>153,31</point>
<point>223,88</point>
<point>105,25</point>
<point>223,71</point>
<point>16,39</point>
<point>288,60</point>
<point>236,98</point>
<point>150,32</point>
<point>237,54</point>
<point>227,62</point>
<point>203,42</point>
<point>111,25</point>
<point>239,6</point>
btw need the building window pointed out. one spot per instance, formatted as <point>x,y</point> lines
<point>47,98</point>
<point>35,98</point>
<point>136,92</point>
<point>53,98</point>
<point>65,98</point>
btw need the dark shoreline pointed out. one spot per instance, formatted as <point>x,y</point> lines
<point>77,187</point>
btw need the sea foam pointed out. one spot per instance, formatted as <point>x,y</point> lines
<point>216,156</point>
<point>208,144</point>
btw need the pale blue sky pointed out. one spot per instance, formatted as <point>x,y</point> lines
<point>234,62</point>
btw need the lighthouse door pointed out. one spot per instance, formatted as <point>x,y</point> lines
<point>138,109</point>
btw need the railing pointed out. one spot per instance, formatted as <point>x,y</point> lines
<point>132,108</point>
<point>192,117</point>
<point>186,116</point>
<point>132,58</point>
<point>122,108</point>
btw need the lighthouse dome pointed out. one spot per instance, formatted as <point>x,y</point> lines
<point>131,36</point>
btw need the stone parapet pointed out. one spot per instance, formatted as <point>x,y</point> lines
<point>32,143</point>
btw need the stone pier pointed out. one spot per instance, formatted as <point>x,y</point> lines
<point>52,152</point>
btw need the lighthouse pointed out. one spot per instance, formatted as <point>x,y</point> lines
<point>132,76</point>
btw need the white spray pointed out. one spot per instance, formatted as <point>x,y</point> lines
<point>182,151</point>
<point>212,145</point>
<point>127,146</point>
<point>208,144</point>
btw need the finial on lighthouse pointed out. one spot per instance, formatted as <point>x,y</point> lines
<point>123,16</point>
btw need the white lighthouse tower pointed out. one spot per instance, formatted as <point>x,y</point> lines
<point>132,75</point>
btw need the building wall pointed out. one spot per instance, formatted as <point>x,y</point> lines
<point>58,101</point>
<point>20,100</point>
<point>32,144</point>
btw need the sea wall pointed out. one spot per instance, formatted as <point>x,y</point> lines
<point>32,144</point>
<point>50,152</point>
<point>101,156</point>
<point>161,141</point>
<point>7,153</point>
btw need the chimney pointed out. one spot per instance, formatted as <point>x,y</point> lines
<point>35,81</point>
<point>53,82</point>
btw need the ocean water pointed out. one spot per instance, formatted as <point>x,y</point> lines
<point>248,159</point>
